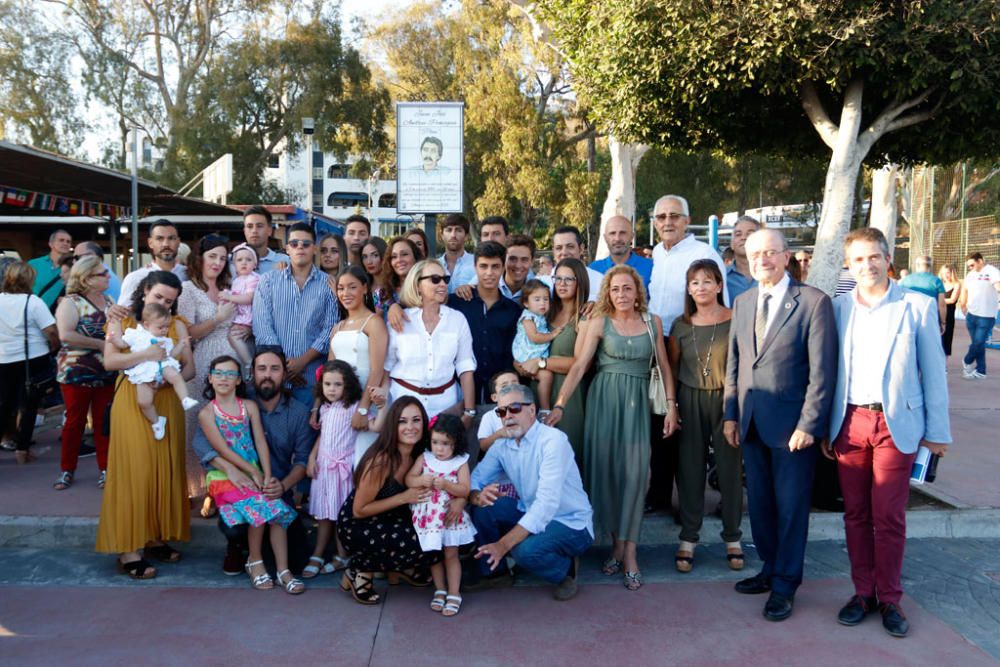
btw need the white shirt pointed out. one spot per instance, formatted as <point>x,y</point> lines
<point>594,277</point>
<point>982,292</point>
<point>774,305</point>
<point>867,362</point>
<point>12,327</point>
<point>668,284</point>
<point>430,360</point>
<point>132,280</point>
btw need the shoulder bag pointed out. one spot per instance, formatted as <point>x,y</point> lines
<point>657,390</point>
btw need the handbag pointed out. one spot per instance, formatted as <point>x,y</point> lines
<point>43,383</point>
<point>657,391</point>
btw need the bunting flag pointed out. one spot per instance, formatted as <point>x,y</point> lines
<point>39,201</point>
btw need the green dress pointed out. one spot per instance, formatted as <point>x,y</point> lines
<point>572,419</point>
<point>616,440</point>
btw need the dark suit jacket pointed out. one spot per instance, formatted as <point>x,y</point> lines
<point>790,384</point>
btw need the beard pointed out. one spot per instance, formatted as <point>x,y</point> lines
<point>266,390</point>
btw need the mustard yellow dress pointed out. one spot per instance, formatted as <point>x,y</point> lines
<point>145,498</point>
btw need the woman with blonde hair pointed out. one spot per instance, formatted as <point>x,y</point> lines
<point>433,348</point>
<point>87,387</point>
<point>627,341</point>
<point>952,293</point>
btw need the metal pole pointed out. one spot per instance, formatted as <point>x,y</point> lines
<point>963,230</point>
<point>114,244</point>
<point>135,198</point>
<point>430,229</point>
<point>713,231</point>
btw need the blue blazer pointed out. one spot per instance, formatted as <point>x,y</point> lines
<point>787,384</point>
<point>914,385</point>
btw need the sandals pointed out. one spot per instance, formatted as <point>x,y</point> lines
<point>102,479</point>
<point>611,566</point>
<point>437,602</point>
<point>64,481</point>
<point>137,569</point>
<point>684,561</point>
<point>163,553</point>
<point>412,576</point>
<point>293,586</point>
<point>633,580</point>
<point>363,593</point>
<point>452,606</point>
<point>208,508</point>
<point>336,564</point>
<point>262,582</point>
<point>310,571</point>
<point>735,557</point>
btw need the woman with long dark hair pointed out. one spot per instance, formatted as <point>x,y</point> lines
<point>401,255</point>
<point>374,524</point>
<point>145,500</point>
<point>332,255</point>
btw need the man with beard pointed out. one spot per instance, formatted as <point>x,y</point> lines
<point>618,234</point>
<point>163,243</point>
<point>289,441</point>
<point>457,262</point>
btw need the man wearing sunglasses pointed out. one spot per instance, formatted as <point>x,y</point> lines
<point>89,248</point>
<point>979,303</point>
<point>294,311</point>
<point>550,524</point>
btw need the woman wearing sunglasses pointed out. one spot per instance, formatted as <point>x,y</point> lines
<point>433,348</point>
<point>86,386</point>
<point>627,341</point>
<point>209,319</point>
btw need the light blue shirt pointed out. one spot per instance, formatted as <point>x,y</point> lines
<point>114,284</point>
<point>291,318</point>
<point>544,473</point>
<point>464,273</point>
<point>736,282</point>
<point>642,265</point>
<point>268,261</point>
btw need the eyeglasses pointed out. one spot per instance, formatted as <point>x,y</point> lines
<point>513,408</point>
<point>224,374</point>
<point>673,216</point>
<point>297,243</point>
<point>764,253</point>
<point>564,279</point>
<point>436,279</point>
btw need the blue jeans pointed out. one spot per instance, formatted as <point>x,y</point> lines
<point>980,329</point>
<point>548,554</point>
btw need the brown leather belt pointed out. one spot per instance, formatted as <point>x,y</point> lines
<point>874,407</point>
<point>425,391</point>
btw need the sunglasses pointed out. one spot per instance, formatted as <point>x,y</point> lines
<point>103,274</point>
<point>672,216</point>
<point>224,374</point>
<point>513,408</point>
<point>436,279</point>
<point>300,243</point>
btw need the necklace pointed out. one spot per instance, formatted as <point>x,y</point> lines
<point>708,357</point>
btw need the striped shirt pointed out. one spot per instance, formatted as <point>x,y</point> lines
<point>291,318</point>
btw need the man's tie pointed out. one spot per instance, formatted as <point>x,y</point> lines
<point>760,326</point>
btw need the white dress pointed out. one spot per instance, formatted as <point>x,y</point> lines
<point>352,347</point>
<point>428,516</point>
<point>138,340</point>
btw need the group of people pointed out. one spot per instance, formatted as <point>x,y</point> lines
<point>437,407</point>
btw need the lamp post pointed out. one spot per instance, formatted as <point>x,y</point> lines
<point>308,128</point>
<point>135,198</point>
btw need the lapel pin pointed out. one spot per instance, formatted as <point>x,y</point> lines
<point>788,305</point>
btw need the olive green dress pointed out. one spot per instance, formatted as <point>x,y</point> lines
<point>572,419</point>
<point>616,434</point>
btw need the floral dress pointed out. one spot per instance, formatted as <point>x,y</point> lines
<point>235,505</point>
<point>428,516</point>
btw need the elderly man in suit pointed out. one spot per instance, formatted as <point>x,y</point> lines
<point>891,397</point>
<point>779,386</point>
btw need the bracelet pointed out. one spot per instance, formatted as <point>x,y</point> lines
<point>557,407</point>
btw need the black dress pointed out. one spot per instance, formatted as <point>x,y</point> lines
<point>949,325</point>
<point>385,542</point>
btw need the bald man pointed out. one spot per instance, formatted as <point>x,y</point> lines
<point>619,234</point>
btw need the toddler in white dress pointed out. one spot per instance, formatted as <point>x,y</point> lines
<point>148,375</point>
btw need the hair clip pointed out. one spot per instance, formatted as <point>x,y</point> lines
<point>432,421</point>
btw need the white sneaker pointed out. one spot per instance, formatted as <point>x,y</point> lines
<point>189,403</point>
<point>968,369</point>
<point>160,428</point>
<point>976,375</point>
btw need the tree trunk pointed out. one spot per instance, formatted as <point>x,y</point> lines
<point>625,160</point>
<point>883,208</point>
<point>835,220</point>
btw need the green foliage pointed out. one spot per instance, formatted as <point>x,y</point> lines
<point>727,74</point>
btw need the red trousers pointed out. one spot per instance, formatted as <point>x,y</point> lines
<point>875,481</point>
<point>79,401</point>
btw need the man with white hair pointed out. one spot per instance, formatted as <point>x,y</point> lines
<point>667,287</point>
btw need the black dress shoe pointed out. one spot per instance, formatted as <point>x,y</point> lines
<point>893,620</point>
<point>855,610</point>
<point>778,607</point>
<point>754,585</point>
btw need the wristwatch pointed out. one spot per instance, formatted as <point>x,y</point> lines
<point>363,412</point>
<point>469,413</point>
<point>542,363</point>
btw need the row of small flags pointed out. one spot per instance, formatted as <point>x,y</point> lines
<point>42,202</point>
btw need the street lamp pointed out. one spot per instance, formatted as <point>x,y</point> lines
<point>308,129</point>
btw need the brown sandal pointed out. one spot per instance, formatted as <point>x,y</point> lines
<point>735,558</point>
<point>684,561</point>
<point>137,569</point>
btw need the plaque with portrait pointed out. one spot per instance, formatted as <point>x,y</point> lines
<point>429,157</point>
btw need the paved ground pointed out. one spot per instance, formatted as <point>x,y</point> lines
<point>70,608</point>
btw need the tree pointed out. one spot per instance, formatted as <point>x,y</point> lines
<point>524,131</point>
<point>36,98</point>
<point>918,78</point>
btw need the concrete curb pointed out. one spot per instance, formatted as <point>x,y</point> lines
<point>44,532</point>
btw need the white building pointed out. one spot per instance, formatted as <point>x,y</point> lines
<point>331,191</point>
